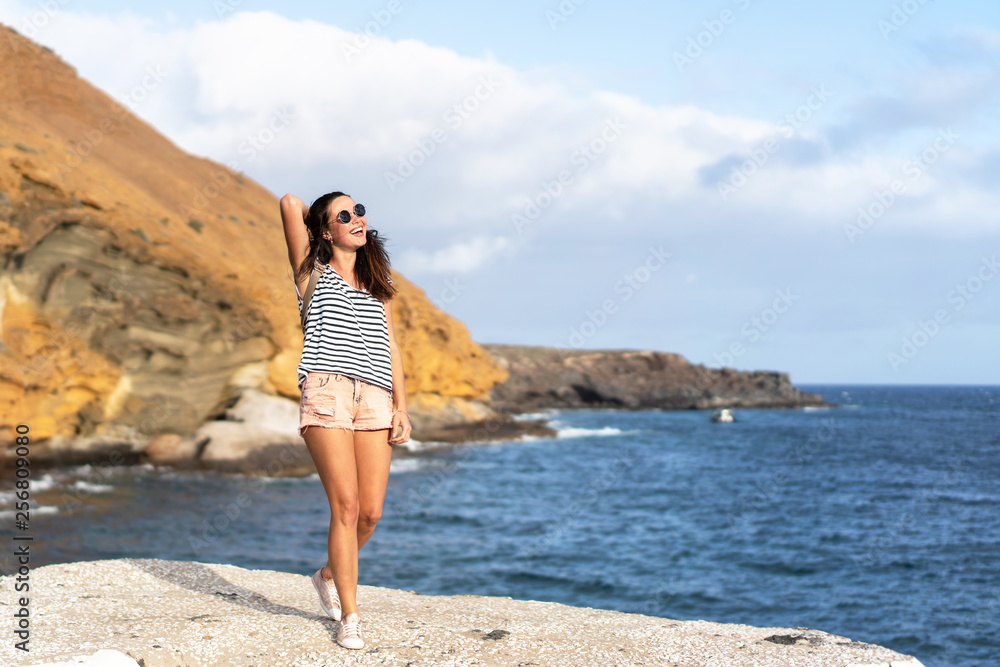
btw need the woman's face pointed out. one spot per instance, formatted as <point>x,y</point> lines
<point>352,235</point>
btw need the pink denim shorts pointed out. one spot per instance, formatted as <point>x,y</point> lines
<point>333,400</point>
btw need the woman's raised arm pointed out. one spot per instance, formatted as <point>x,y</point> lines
<point>293,218</point>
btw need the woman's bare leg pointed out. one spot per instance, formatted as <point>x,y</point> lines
<point>332,451</point>
<point>373,454</point>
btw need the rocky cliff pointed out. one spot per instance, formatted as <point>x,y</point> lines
<point>143,290</point>
<point>543,377</point>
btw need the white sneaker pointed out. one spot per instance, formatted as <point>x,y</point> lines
<point>329,599</point>
<point>349,634</point>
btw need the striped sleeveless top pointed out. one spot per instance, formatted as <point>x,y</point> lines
<point>346,332</point>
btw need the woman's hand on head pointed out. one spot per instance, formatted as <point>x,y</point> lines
<point>400,426</point>
<point>291,202</point>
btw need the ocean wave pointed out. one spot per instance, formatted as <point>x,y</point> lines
<point>408,465</point>
<point>531,416</point>
<point>412,445</point>
<point>92,488</point>
<point>44,483</point>
<point>579,432</point>
<point>40,509</point>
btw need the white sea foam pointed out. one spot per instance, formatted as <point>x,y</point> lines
<point>407,465</point>
<point>531,416</point>
<point>578,432</point>
<point>39,509</point>
<point>92,488</point>
<point>815,408</point>
<point>44,483</point>
<point>412,445</point>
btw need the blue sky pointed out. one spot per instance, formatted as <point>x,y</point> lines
<point>889,108</point>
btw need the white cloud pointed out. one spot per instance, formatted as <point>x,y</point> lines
<point>392,109</point>
<point>455,258</point>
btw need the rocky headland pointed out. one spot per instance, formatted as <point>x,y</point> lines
<point>545,377</point>
<point>157,613</point>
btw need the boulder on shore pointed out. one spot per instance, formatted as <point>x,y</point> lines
<point>162,613</point>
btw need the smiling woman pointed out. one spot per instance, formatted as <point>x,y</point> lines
<point>351,379</point>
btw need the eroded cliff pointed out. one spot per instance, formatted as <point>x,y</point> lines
<point>144,289</point>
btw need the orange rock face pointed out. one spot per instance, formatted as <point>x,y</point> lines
<point>144,288</point>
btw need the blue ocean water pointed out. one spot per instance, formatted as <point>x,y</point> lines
<point>876,520</point>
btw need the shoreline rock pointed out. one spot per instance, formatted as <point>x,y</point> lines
<point>258,435</point>
<point>546,377</point>
<point>161,613</point>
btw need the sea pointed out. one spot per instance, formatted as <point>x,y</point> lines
<point>876,520</point>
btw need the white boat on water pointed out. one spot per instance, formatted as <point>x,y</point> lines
<point>724,415</point>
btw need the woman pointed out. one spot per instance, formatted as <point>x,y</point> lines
<point>351,379</point>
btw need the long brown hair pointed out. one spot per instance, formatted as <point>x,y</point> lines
<point>371,263</point>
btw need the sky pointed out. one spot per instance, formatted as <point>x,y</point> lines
<point>799,187</point>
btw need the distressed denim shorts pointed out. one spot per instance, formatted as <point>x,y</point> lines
<point>333,400</point>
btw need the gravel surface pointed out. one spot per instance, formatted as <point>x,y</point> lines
<point>157,612</point>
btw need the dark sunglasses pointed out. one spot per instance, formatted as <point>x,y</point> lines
<point>344,217</point>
